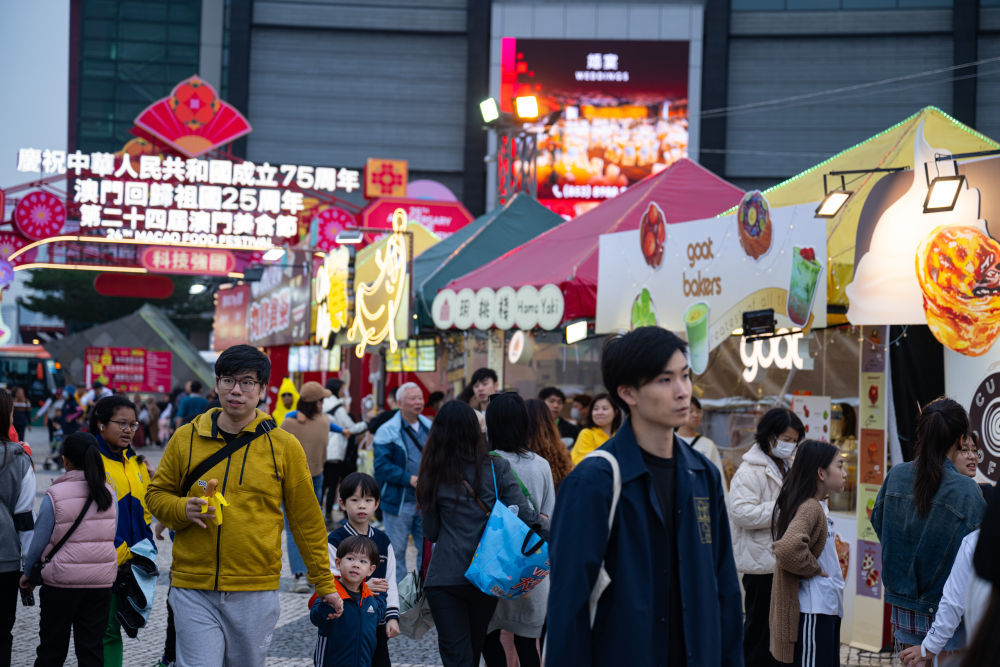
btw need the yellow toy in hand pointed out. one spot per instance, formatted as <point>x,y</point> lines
<point>213,498</point>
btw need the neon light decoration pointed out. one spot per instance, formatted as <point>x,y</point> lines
<point>193,120</point>
<point>376,304</point>
<point>330,291</point>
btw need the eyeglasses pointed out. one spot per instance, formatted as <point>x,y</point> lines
<point>974,451</point>
<point>124,425</point>
<point>246,384</point>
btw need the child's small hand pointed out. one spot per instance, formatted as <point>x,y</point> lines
<point>378,585</point>
<point>391,628</point>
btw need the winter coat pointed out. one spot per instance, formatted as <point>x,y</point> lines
<point>334,407</point>
<point>752,494</point>
<point>287,387</point>
<point>130,479</point>
<point>88,558</point>
<point>631,625</point>
<point>244,552</point>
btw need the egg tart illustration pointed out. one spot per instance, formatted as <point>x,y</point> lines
<point>754,219</point>
<point>958,269</point>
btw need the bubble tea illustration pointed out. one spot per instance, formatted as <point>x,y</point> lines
<point>696,326</point>
<point>802,284</point>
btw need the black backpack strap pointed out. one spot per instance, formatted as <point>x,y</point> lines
<point>231,447</point>
<point>76,523</point>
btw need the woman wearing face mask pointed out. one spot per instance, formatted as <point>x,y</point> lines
<point>752,494</point>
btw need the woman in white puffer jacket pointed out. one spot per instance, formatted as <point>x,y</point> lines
<point>752,493</point>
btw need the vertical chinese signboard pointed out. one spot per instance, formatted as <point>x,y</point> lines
<point>273,311</point>
<point>129,369</point>
<point>867,562</point>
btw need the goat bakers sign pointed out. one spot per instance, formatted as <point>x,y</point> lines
<point>699,277</point>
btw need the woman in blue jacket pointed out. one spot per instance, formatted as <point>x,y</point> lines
<point>923,511</point>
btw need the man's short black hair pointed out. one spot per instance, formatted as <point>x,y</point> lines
<point>195,387</point>
<point>483,374</point>
<point>359,481</point>
<point>359,544</point>
<point>242,359</point>
<point>551,391</point>
<point>695,402</point>
<point>637,358</point>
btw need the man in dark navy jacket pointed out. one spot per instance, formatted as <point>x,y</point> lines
<point>674,597</point>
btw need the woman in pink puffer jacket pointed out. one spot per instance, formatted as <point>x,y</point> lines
<point>76,581</point>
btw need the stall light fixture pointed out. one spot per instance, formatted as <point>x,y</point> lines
<point>490,110</point>
<point>350,237</point>
<point>832,203</point>
<point>526,107</point>
<point>196,288</point>
<point>942,195</point>
<point>273,254</point>
<point>758,322</point>
<point>576,332</point>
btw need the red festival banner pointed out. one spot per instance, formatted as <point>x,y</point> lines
<point>129,369</point>
<point>441,217</point>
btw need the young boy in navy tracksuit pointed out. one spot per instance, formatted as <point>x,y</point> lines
<point>348,640</point>
<point>359,496</point>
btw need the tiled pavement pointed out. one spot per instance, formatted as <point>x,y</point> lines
<point>294,636</point>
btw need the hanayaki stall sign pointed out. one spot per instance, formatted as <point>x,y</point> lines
<point>193,201</point>
<point>699,277</point>
<point>506,308</point>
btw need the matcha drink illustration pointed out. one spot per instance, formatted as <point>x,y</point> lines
<point>696,325</point>
<point>802,285</point>
<point>643,312</point>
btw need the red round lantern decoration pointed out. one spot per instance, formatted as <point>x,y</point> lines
<point>40,215</point>
<point>10,242</point>
<point>329,222</point>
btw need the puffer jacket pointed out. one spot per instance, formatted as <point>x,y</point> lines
<point>752,494</point>
<point>88,558</point>
<point>244,552</point>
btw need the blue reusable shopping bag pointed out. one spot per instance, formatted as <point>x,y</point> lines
<point>511,558</point>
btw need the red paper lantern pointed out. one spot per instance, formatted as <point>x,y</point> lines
<point>40,215</point>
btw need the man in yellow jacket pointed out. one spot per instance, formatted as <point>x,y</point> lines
<point>226,569</point>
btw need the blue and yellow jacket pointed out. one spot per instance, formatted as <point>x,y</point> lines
<point>347,641</point>
<point>129,478</point>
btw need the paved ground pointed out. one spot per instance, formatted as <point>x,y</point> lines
<point>294,636</point>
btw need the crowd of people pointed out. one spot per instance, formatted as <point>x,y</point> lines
<point>647,541</point>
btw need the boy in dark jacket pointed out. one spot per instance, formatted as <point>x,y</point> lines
<point>348,639</point>
<point>674,598</point>
<point>359,496</point>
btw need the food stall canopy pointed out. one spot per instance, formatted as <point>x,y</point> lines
<point>567,255</point>
<point>478,243</point>
<point>893,147</point>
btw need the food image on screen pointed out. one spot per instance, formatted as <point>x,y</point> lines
<point>643,312</point>
<point>958,269</point>
<point>754,218</point>
<point>613,112</point>
<point>653,235</point>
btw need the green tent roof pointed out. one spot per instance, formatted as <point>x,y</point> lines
<point>481,241</point>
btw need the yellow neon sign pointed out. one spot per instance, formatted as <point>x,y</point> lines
<point>377,303</point>
<point>330,291</point>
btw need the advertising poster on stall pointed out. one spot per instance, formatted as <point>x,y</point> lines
<point>871,456</point>
<point>814,411</point>
<point>869,575</point>
<point>624,113</point>
<point>129,369</point>
<point>698,278</point>
<point>272,311</point>
<point>873,400</point>
<point>975,383</point>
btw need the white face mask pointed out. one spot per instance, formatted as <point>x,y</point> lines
<point>574,413</point>
<point>783,450</point>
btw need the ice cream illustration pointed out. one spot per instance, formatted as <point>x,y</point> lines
<point>806,270</point>
<point>885,288</point>
<point>754,219</point>
<point>696,326</point>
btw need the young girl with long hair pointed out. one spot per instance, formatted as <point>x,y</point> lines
<point>807,598</point>
<point>77,580</point>
<point>922,513</point>
<point>543,439</point>
<point>455,460</point>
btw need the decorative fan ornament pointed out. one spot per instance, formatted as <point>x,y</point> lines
<point>138,146</point>
<point>330,221</point>
<point>40,215</point>
<point>193,120</point>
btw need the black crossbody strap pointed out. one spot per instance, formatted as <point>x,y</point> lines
<point>237,443</point>
<point>76,523</point>
<point>408,431</point>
